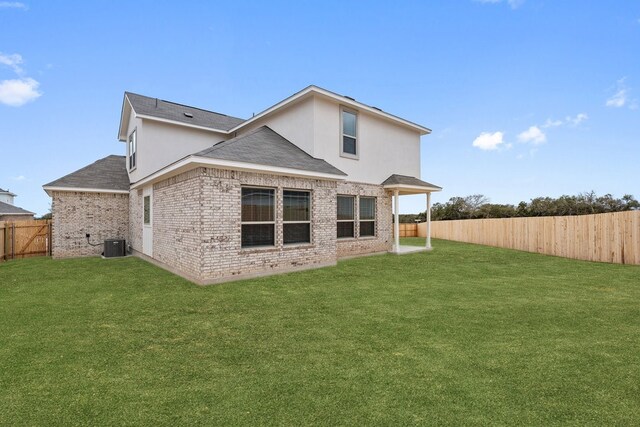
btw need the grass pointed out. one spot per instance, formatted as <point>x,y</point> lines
<point>464,334</point>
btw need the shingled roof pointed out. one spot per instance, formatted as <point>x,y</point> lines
<point>155,107</point>
<point>109,173</point>
<point>263,146</point>
<point>7,209</point>
<point>408,180</point>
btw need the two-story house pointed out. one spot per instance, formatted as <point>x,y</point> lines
<point>307,181</point>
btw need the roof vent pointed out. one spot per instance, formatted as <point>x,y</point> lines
<point>189,115</point>
<point>348,97</point>
<point>376,108</point>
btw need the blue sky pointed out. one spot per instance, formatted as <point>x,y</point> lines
<point>525,98</point>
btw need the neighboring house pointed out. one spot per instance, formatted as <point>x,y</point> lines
<point>213,197</point>
<point>9,212</point>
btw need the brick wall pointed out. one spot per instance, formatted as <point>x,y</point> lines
<point>222,254</point>
<point>103,215</point>
<point>135,219</point>
<point>383,240</point>
<point>176,221</point>
<point>197,228</point>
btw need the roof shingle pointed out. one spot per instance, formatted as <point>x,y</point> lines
<point>7,209</point>
<point>263,146</point>
<point>176,112</point>
<point>109,173</point>
<point>408,180</point>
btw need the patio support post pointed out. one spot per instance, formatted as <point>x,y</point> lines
<point>428,220</point>
<point>396,221</point>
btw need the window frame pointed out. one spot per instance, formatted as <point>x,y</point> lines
<point>355,156</point>
<point>133,150</point>
<point>285,222</point>
<point>352,220</point>
<point>375,216</point>
<point>273,222</point>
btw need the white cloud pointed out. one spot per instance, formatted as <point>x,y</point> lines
<point>569,120</point>
<point>579,118</point>
<point>13,5</point>
<point>18,92</point>
<point>18,178</point>
<point>533,135</point>
<point>513,3</point>
<point>621,97</point>
<point>552,123</point>
<point>13,61</point>
<point>618,99</point>
<point>489,141</point>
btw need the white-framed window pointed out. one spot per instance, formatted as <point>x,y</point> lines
<point>367,216</point>
<point>296,216</point>
<point>346,217</point>
<point>258,217</point>
<point>133,149</point>
<point>146,216</point>
<point>349,140</point>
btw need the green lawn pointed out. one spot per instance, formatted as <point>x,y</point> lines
<point>464,334</point>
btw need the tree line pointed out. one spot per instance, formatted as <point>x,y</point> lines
<point>478,206</point>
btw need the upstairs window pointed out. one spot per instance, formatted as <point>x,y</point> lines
<point>346,218</point>
<point>296,216</point>
<point>349,133</point>
<point>258,217</point>
<point>133,148</point>
<point>367,216</point>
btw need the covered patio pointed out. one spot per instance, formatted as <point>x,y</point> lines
<point>401,185</point>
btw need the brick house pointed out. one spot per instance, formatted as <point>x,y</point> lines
<point>10,212</point>
<point>213,198</point>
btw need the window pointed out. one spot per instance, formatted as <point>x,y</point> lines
<point>296,216</point>
<point>367,216</point>
<point>133,148</point>
<point>258,218</point>
<point>346,218</point>
<point>147,210</point>
<point>349,129</point>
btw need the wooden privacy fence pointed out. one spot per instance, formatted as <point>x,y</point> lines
<point>408,230</point>
<point>22,239</point>
<point>609,237</point>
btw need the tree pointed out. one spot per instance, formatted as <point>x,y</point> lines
<point>478,206</point>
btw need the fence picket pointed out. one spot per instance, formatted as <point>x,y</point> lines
<point>609,237</point>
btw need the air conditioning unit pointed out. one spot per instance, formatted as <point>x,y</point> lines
<point>114,248</point>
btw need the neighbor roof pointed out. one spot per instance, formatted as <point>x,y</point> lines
<point>109,173</point>
<point>154,107</point>
<point>6,192</point>
<point>263,146</point>
<point>7,209</point>
<point>398,180</point>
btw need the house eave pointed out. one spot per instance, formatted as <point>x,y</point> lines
<point>173,122</point>
<point>310,90</point>
<point>48,189</point>
<point>17,213</point>
<point>411,189</point>
<point>125,113</point>
<point>192,162</point>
